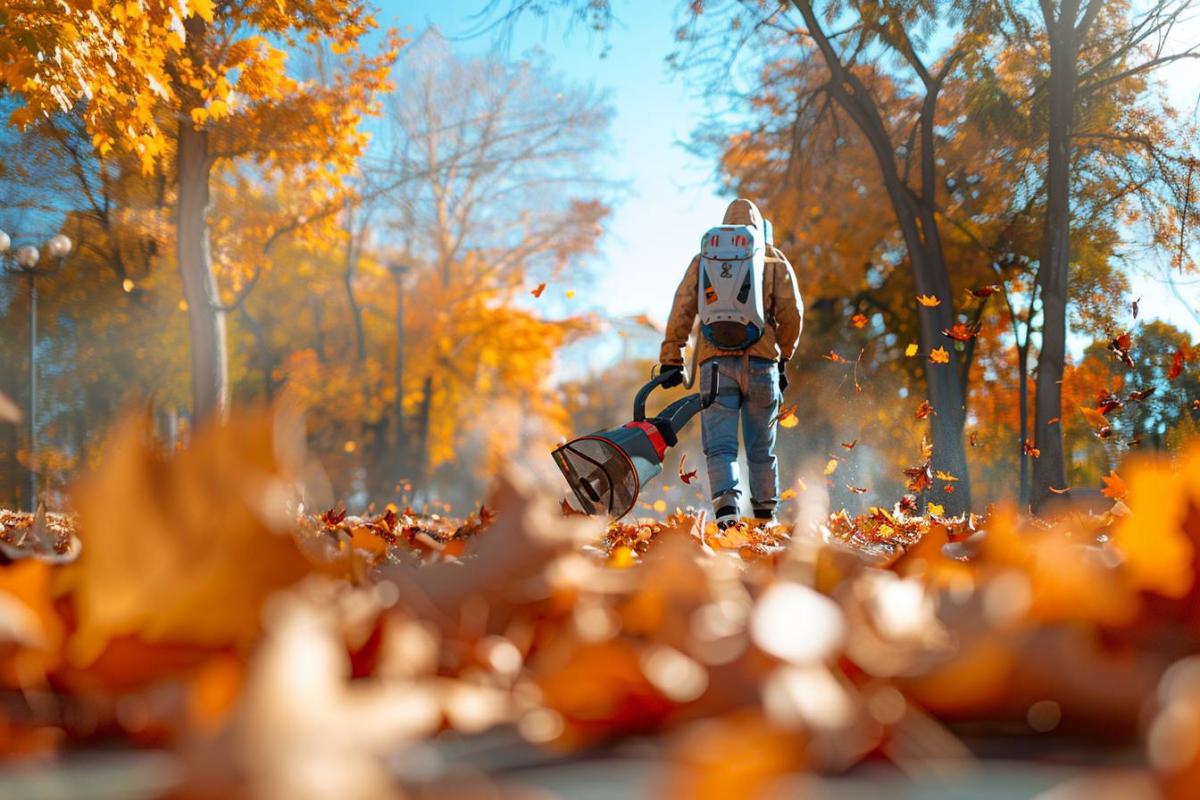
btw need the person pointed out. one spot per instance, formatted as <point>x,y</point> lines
<point>753,377</point>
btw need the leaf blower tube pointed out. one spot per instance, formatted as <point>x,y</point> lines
<point>607,469</point>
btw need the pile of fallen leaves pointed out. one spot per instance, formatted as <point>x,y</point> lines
<point>291,654</point>
<point>39,535</point>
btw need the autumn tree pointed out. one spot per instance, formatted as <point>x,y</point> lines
<point>1099,55</point>
<point>509,195</point>
<point>191,87</point>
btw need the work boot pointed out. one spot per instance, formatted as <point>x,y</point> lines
<point>727,517</point>
<point>766,514</point>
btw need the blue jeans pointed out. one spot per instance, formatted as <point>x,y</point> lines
<point>749,389</point>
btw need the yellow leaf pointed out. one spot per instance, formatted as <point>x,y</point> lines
<point>911,350</point>
<point>831,467</point>
<point>660,506</point>
<point>936,510</point>
<point>202,9</point>
<point>944,476</point>
<point>787,494</point>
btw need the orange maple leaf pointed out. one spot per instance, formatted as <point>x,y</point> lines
<point>939,356</point>
<point>859,320</point>
<point>1114,486</point>
<point>960,332</point>
<point>928,300</point>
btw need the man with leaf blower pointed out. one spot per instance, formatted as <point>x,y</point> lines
<point>744,291</point>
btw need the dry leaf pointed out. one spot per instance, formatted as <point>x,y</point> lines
<point>939,355</point>
<point>928,300</point>
<point>9,411</point>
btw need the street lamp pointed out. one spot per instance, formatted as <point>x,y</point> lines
<point>24,261</point>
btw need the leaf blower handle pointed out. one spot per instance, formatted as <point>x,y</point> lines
<point>639,401</point>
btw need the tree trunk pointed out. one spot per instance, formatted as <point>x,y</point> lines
<point>206,321</point>
<point>915,215</point>
<point>423,418</point>
<point>1023,417</point>
<point>1049,468</point>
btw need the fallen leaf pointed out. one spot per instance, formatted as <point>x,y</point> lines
<point>928,300</point>
<point>859,320</point>
<point>1176,365</point>
<point>1107,403</point>
<point>856,489</point>
<point>850,445</point>
<point>9,411</point>
<point>911,350</point>
<point>935,510</point>
<point>541,287</point>
<point>919,478</point>
<point>1056,490</point>
<point>787,494</point>
<point>973,439</point>
<point>924,410</point>
<point>1141,394</point>
<point>942,475</point>
<point>1120,347</point>
<point>939,356</point>
<point>1029,450</point>
<point>960,332</point>
<point>787,416</point>
<point>1114,486</point>
<point>1135,307</point>
<point>835,358</point>
<point>686,477</point>
<point>831,466</point>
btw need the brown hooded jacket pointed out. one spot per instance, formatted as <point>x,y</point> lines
<point>781,304</point>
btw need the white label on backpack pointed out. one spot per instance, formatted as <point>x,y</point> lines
<point>732,258</point>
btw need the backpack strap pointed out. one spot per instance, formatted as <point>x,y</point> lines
<point>769,301</point>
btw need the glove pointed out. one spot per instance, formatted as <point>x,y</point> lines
<point>672,375</point>
<point>783,381</point>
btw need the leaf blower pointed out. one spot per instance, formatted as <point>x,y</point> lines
<point>607,469</point>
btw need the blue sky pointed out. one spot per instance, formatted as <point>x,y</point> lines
<point>673,197</point>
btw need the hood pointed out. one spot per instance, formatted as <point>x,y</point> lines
<point>743,212</point>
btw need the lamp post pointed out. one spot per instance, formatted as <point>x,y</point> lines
<point>24,261</point>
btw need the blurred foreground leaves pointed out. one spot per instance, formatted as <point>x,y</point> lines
<point>217,608</point>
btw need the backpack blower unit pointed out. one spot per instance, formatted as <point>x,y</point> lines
<point>607,469</point>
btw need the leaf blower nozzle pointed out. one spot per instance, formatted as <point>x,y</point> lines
<point>607,469</point>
